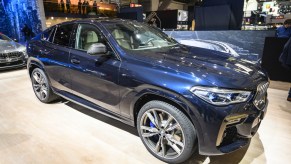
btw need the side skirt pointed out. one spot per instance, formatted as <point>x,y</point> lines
<point>93,107</point>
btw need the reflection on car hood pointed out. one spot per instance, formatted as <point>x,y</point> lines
<point>9,46</point>
<point>210,44</point>
<point>215,67</point>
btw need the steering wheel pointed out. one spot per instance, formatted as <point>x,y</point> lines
<point>151,39</point>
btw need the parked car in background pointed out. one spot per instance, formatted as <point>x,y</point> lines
<point>12,54</point>
<point>179,97</point>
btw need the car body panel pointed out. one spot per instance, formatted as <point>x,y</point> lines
<point>58,67</point>
<point>98,82</point>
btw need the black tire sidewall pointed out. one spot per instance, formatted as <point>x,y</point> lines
<point>185,123</point>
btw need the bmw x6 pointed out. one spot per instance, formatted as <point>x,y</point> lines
<point>180,98</point>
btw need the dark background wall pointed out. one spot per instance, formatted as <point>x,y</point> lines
<point>165,19</point>
<point>133,13</point>
<point>219,15</point>
<point>272,51</point>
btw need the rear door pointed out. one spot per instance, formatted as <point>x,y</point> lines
<point>57,53</point>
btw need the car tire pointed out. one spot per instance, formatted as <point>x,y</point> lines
<point>166,132</point>
<point>41,86</point>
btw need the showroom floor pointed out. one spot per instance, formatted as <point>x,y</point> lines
<point>63,132</point>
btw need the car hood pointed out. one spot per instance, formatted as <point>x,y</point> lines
<point>6,46</point>
<point>206,66</point>
<point>210,44</point>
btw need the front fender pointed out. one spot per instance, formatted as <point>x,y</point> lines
<point>130,99</point>
<point>34,61</point>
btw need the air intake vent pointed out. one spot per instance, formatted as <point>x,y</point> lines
<point>261,95</point>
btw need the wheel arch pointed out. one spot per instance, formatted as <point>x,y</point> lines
<point>33,63</point>
<point>147,97</point>
<point>150,93</point>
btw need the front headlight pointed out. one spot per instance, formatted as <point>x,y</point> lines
<point>23,50</point>
<point>220,97</point>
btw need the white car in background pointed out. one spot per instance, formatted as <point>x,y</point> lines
<point>12,54</point>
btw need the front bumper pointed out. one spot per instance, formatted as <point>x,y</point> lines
<point>237,135</point>
<point>225,129</point>
<point>13,59</point>
<point>14,64</point>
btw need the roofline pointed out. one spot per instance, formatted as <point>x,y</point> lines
<point>92,20</point>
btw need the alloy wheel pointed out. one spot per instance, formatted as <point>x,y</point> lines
<point>162,133</point>
<point>40,86</point>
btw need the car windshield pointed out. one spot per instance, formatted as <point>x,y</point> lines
<point>138,36</point>
<point>4,38</point>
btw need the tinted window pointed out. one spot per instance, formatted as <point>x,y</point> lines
<point>62,35</point>
<point>46,34</point>
<point>87,35</point>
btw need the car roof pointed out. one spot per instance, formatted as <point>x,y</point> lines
<point>92,20</point>
<point>101,19</point>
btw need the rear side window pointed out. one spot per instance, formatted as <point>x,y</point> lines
<point>47,33</point>
<point>63,34</point>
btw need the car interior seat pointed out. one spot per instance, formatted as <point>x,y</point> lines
<point>91,38</point>
<point>122,38</point>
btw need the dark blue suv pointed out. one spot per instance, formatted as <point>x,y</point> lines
<point>179,97</point>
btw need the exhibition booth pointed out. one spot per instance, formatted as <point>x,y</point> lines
<point>153,81</point>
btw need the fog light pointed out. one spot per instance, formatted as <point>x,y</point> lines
<point>235,119</point>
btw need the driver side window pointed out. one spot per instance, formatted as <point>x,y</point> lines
<point>86,36</point>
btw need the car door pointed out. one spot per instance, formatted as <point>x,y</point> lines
<point>57,53</point>
<point>94,77</point>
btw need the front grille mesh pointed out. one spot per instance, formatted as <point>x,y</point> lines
<point>10,56</point>
<point>229,136</point>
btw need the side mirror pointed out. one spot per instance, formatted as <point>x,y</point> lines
<point>15,40</point>
<point>96,49</point>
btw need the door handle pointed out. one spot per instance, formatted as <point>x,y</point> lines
<point>75,61</point>
<point>46,52</point>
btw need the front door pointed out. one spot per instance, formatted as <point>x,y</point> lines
<point>94,77</point>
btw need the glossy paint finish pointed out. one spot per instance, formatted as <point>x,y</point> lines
<point>98,82</point>
<point>116,84</point>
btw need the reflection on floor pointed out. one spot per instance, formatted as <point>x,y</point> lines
<point>63,132</point>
